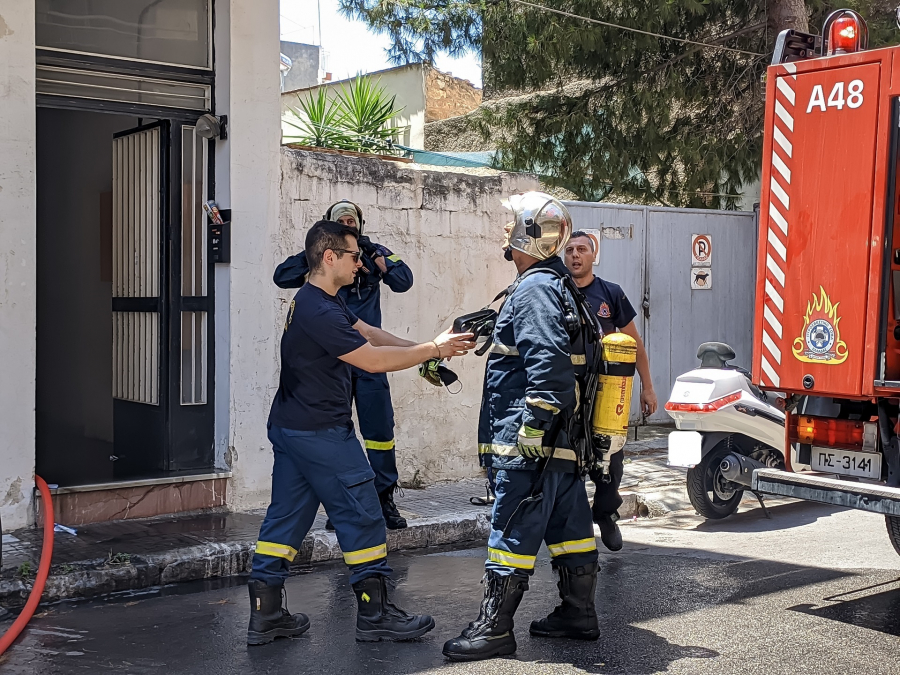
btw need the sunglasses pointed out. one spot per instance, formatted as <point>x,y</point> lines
<point>356,254</point>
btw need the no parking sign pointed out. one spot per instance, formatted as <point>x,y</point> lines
<point>701,262</point>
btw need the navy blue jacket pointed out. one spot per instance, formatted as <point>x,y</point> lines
<point>363,296</point>
<point>530,373</point>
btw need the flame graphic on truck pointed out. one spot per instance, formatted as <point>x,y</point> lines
<point>820,340</point>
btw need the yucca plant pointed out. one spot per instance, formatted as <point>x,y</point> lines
<point>367,114</point>
<point>358,118</point>
<point>319,122</point>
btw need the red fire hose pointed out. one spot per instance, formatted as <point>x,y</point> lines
<point>43,570</point>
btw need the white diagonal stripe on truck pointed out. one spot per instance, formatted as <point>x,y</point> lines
<point>784,115</point>
<point>785,89</point>
<point>774,297</point>
<point>775,323</point>
<point>770,372</point>
<point>770,345</point>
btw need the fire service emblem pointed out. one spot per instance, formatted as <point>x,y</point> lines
<point>604,310</point>
<point>821,339</point>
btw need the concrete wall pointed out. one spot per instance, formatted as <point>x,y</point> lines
<point>407,83</point>
<point>447,226</point>
<point>307,60</point>
<point>251,156</point>
<point>18,245</point>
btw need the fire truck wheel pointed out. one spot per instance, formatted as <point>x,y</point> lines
<point>893,528</point>
<point>710,493</point>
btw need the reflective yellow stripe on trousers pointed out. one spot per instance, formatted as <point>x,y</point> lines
<point>577,546</point>
<point>380,445</point>
<point>522,562</point>
<point>276,550</point>
<point>366,555</point>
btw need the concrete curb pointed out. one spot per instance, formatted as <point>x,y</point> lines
<point>90,579</point>
<point>637,505</point>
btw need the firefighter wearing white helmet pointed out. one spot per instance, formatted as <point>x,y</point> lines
<point>529,396</point>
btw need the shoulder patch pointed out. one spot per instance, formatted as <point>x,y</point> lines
<point>290,314</point>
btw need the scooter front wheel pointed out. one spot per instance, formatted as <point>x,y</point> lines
<point>711,494</point>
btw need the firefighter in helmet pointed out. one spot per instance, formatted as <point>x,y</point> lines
<point>529,396</point>
<point>370,390</point>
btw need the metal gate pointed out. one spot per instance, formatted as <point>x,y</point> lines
<point>647,251</point>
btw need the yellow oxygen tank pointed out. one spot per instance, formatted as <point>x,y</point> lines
<point>613,401</point>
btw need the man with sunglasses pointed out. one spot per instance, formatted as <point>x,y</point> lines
<point>370,390</point>
<point>318,459</point>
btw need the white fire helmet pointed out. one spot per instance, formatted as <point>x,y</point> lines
<point>542,224</point>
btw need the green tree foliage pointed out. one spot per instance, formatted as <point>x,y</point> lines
<point>357,118</point>
<point>614,112</point>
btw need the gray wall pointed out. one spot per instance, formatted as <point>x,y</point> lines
<point>648,252</point>
<point>306,63</point>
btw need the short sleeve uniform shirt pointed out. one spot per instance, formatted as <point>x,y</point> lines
<point>314,385</point>
<point>608,300</point>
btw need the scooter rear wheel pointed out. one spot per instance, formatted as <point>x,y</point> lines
<point>893,528</point>
<point>710,493</point>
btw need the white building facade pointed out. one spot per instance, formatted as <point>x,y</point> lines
<point>118,365</point>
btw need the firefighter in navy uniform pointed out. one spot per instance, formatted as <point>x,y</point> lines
<point>529,395</point>
<point>318,459</point>
<point>370,390</point>
<point>614,313</point>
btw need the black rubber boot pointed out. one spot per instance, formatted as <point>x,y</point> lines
<point>576,616</point>
<point>610,534</point>
<point>392,518</point>
<point>377,618</point>
<point>491,634</point>
<point>268,619</point>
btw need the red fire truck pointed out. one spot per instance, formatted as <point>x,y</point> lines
<point>827,324</point>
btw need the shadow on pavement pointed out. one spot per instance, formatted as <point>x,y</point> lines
<point>784,517</point>
<point>874,607</point>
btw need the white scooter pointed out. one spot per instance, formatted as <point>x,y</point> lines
<point>727,428</point>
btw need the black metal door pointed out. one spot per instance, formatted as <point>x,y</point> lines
<point>139,289</point>
<point>191,336</point>
<point>162,302</point>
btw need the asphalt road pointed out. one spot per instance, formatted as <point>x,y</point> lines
<point>814,590</point>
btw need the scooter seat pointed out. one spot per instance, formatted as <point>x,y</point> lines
<point>714,355</point>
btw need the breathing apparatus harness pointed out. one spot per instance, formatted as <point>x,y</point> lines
<point>583,329</point>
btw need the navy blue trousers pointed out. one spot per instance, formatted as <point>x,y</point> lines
<point>561,518</point>
<point>375,413</point>
<point>325,467</point>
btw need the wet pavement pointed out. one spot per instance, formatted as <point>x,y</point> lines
<point>133,554</point>
<point>814,589</point>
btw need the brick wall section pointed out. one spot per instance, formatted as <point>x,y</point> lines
<point>447,226</point>
<point>447,96</point>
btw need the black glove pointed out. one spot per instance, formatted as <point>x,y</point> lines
<point>367,247</point>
